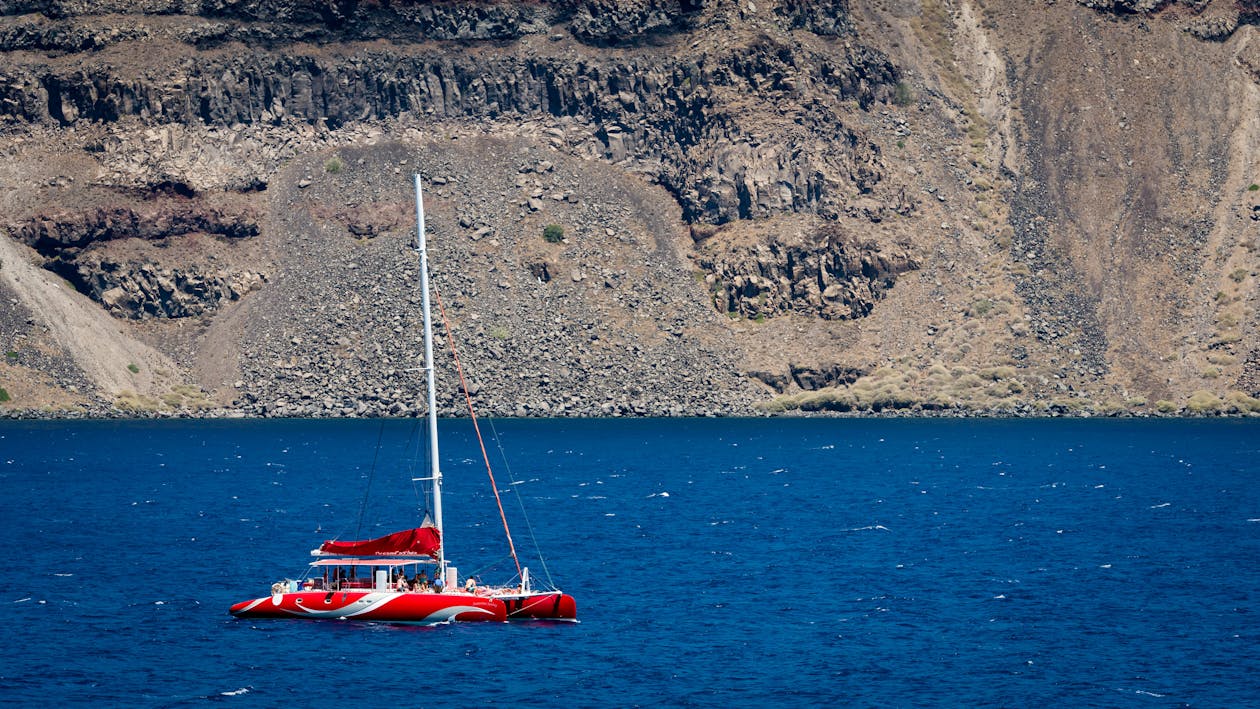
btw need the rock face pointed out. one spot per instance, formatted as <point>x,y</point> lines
<point>114,254</point>
<point>54,233</point>
<point>827,273</point>
<point>682,114</point>
<point>921,205</point>
<point>139,289</point>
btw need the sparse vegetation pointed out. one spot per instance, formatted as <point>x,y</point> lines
<point>11,354</point>
<point>1253,187</point>
<point>4,395</point>
<point>980,308</point>
<point>1241,403</point>
<point>902,95</point>
<point>1228,337</point>
<point>553,233</point>
<point>1203,401</point>
<point>132,401</point>
<point>333,166</point>
<point>888,388</point>
<point>499,332</point>
<point>1238,275</point>
<point>133,368</point>
<point>1164,406</point>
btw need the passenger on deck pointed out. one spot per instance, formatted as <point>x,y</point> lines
<point>470,586</point>
<point>437,583</point>
<point>422,582</point>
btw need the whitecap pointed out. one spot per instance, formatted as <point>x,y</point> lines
<point>23,600</point>
<point>1000,597</point>
<point>610,514</point>
<point>1254,519</point>
<point>1104,566</point>
<point>1156,507</point>
<point>1146,693</point>
<point>235,692</point>
<point>63,575</point>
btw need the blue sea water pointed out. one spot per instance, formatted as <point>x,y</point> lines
<point>715,562</point>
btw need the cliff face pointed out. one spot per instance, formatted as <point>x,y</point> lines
<point>758,199</point>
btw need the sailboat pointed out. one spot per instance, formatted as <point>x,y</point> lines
<point>387,579</point>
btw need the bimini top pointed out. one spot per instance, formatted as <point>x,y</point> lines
<point>421,541</point>
<point>373,561</point>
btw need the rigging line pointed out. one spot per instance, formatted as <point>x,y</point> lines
<point>529,527</point>
<point>486,567</point>
<point>421,492</point>
<point>371,474</point>
<point>450,339</point>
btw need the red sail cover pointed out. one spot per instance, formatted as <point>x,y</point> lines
<point>421,541</point>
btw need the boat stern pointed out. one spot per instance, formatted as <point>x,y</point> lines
<point>541,606</point>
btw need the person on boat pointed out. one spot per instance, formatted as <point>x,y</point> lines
<point>470,586</point>
<point>437,583</point>
<point>422,581</point>
<point>401,583</point>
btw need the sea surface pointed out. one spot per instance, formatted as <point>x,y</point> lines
<point>715,563</point>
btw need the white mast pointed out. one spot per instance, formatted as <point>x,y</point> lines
<point>429,377</point>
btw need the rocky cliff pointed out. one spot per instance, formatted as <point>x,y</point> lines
<point>775,205</point>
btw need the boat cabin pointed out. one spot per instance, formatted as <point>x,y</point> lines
<point>375,574</point>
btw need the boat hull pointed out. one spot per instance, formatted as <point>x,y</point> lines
<point>379,606</point>
<point>556,606</point>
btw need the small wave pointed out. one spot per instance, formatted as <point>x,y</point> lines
<point>1165,504</point>
<point>23,600</point>
<point>659,494</point>
<point>1104,566</point>
<point>63,575</point>
<point>1146,693</point>
<point>235,692</point>
<point>868,528</point>
<point>1000,597</point>
<point>1254,519</point>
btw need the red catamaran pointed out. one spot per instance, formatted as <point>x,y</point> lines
<point>387,579</point>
